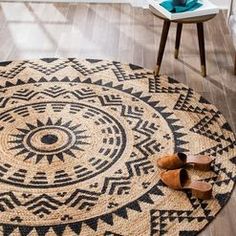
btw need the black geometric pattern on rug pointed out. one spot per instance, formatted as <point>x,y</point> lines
<point>78,138</point>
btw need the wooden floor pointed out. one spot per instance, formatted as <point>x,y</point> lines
<point>120,32</point>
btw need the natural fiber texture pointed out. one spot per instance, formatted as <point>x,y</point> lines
<point>77,139</point>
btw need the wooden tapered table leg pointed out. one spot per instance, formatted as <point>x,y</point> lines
<point>164,34</point>
<point>200,31</point>
<point>178,38</point>
<point>235,65</point>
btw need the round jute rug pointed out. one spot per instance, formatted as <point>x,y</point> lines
<point>77,139</point>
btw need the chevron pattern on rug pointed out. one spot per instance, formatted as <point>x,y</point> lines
<point>77,143</point>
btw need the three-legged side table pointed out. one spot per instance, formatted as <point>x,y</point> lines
<point>200,30</point>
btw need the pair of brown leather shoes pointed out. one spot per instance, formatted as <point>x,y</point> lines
<point>176,177</point>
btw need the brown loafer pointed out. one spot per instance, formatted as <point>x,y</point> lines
<point>179,180</point>
<point>178,160</point>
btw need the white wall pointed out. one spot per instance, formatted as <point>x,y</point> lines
<point>224,4</point>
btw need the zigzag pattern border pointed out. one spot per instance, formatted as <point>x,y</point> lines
<point>92,223</point>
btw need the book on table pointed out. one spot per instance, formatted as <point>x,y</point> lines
<point>207,8</point>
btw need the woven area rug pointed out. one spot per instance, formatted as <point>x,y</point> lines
<point>77,142</point>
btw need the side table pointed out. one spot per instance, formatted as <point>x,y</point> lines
<point>200,30</point>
